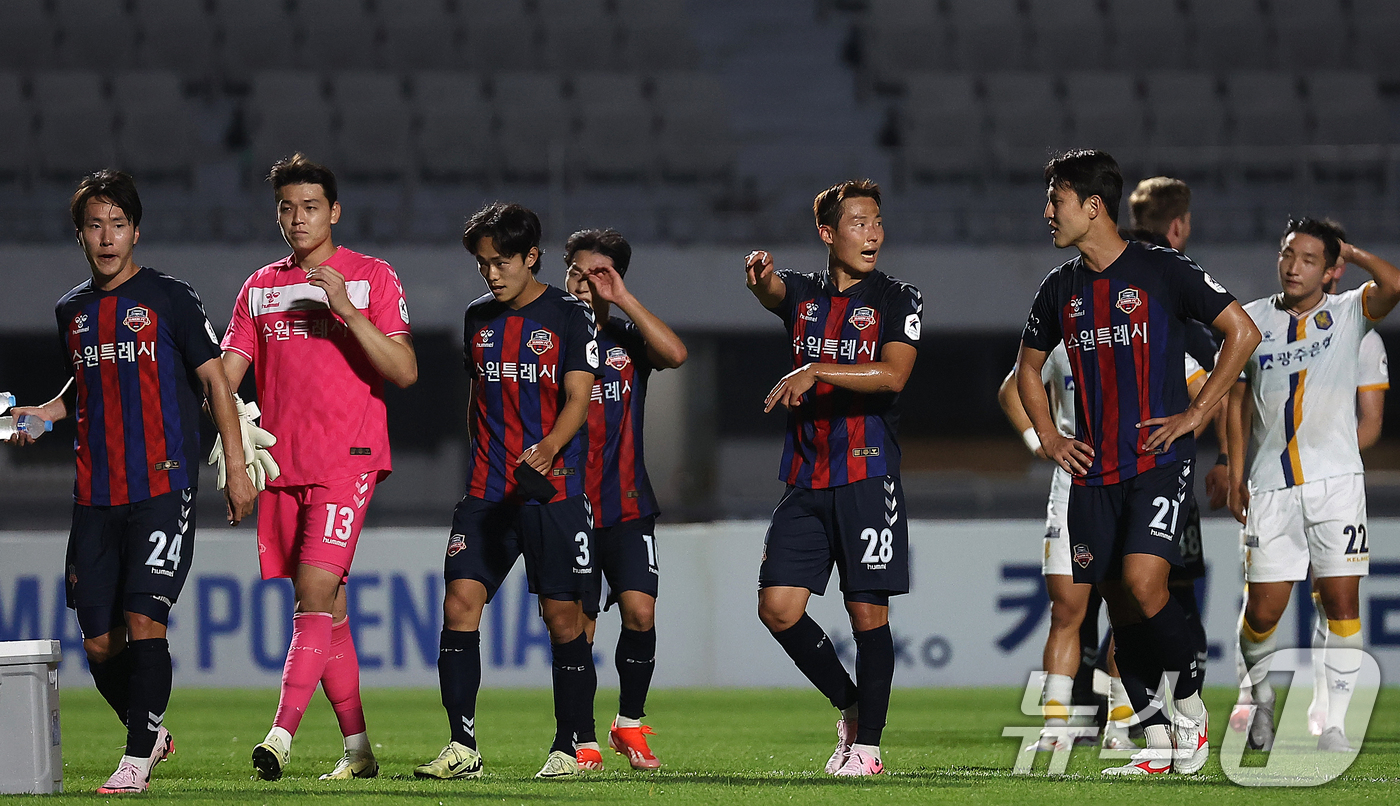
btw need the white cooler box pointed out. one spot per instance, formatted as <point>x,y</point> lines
<point>31,753</point>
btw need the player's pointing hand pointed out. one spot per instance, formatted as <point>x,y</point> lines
<point>1071,454</point>
<point>757,267</point>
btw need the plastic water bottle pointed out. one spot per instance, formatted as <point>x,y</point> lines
<point>31,424</point>
<point>6,401</point>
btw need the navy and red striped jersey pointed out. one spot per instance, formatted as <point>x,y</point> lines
<point>838,436</point>
<point>1125,330</point>
<point>517,360</point>
<point>618,484</point>
<point>133,352</point>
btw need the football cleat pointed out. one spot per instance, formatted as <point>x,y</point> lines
<point>559,765</point>
<point>589,756</point>
<point>353,765</point>
<point>632,742</point>
<point>1152,761</point>
<point>271,757</point>
<point>845,735</point>
<point>1317,715</point>
<point>164,748</point>
<point>1261,728</point>
<point>1051,740</point>
<point>127,780</point>
<point>1240,716</point>
<point>1333,740</point>
<point>1190,745</point>
<point>455,761</point>
<point>858,763</point>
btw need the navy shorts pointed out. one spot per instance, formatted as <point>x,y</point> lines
<point>556,539</point>
<point>130,557</point>
<point>859,527</point>
<point>1193,557</point>
<point>1146,514</point>
<point>626,558</point>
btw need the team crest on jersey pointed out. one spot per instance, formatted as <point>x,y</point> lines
<point>455,544</point>
<point>80,323</point>
<point>1076,306</point>
<point>483,338</point>
<point>618,358</point>
<point>136,319</point>
<point>863,317</point>
<point>541,340</point>
<point>1082,556</point>
<point>1323,319</point>
<point>1128,300</point>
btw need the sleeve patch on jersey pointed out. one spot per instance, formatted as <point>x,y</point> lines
<point>208,328</point>
<point>912,326</point>
<point>1210,281</point>
<point>593,354</point>
<point>403,309</point>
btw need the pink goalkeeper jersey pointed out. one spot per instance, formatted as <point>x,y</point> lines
<point>318,392</point>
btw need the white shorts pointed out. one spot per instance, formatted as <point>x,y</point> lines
<point>1057,551</point>
<point>1319,523</point>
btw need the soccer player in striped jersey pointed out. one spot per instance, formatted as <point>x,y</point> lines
<point>1072,644</point>
<point>1119,309</point>
<point>855,335</point>
<point>141,353</point>
<point>624,506</point>
<point>532,355</point>
<point>1303,500</point>
<point>322,329</point>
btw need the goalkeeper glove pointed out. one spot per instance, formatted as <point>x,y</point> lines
<point>260,465</point>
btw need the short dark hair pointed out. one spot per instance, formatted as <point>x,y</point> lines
<point>606,242</point>
<point>1088,173</point>
<point>109,185</point>
<point>298,170</point>
<point>1324,229</point>
<point>1158,201</point>
<point>827,206</point>
<point>514,229</point>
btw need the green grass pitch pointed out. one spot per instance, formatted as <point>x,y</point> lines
<point>717,747</point>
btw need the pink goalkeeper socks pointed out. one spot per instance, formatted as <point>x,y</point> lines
<point>341,681</point>
<point>306,663</point>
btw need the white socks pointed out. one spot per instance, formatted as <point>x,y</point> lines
<point>852,714</point>
<point>1059,691</point>
<point>1319,642</point>
<point>142,764</point>
<point>1190,707</point>
<point>359,743</point>
<point>868,749</point>
<point>1158,737</point>
<point>1343,666</point>
<point>1254,648</point>
<point>627,722</point>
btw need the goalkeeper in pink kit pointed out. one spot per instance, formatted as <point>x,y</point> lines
<point>322,329</point>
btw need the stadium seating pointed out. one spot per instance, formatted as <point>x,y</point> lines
<point>75,123</point>
<point>16,124</point>
<point>156,134</point>
<point>1148,35</point>
<point>177,35</point>
<point>421,36</point>
<point>257,35</point>
<point>374,137</point>
<point>454,141</point>
<point>94,34</point>
<point>942,126</point>
<point>28,37</point>
<point>288,112</point>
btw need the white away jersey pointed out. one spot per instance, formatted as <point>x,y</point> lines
<point>1373,373</point>
<point>1303,378</point>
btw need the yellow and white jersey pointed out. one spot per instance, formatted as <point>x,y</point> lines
<point>1373,370</point>
<point>1303,379</point>
<point>1058,377</point>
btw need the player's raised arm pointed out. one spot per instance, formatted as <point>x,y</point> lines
<point>1384,292</point>
<point>392,356</point>
<point>1241,337</point>
<point>1072,455</point>
<point>665,349</point>
<point>763,280</point>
